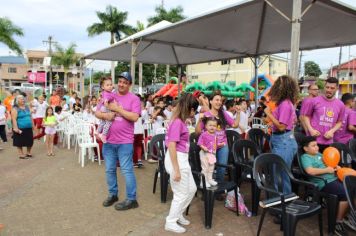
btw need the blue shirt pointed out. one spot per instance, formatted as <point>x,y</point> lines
<point>24,120</point>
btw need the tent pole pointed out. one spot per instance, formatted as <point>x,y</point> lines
<point>256,63</point>
<point>133,63</point>
<point>295,38</point>
<point>179,78</point>
<point>140,78</point>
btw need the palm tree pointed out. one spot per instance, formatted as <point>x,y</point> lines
<point>65,57</point>
<point>173,15</point>
<point>112,21</point>
<point>7,32</point>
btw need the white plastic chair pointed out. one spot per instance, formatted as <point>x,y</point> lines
<point>87,142</point>
<point>147,135</point>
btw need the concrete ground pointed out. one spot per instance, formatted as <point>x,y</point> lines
<point>55,196</point>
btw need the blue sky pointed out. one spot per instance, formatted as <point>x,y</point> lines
<point>67,20</point>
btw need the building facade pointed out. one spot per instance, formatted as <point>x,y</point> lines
<point>240,70</point>
<point>13,71</point>
<point>347,76</point>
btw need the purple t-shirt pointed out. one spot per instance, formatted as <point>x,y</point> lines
<point>305,105</point>
<point>108,96</point>
<point>285,114</point>
<point>208,140</point>
<point>220,132</point>
<point>122,130</point>
<point>177,132</point>
<point>343,135</point>
<point>324,114</point>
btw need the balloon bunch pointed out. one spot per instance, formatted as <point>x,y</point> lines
<point>331,158</point>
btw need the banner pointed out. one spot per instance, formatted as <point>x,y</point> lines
<point>36,77</point>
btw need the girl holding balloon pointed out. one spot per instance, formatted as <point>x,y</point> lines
<point>315,164</point>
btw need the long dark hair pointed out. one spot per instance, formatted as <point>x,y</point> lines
<point>221,121</point>
<point>284,88</point>
<point>184,106</point>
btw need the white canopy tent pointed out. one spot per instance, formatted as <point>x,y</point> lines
<point>245,29</point>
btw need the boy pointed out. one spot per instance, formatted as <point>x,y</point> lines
<point>313,164</point>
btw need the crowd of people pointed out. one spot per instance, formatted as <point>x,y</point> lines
<point>127,121</point>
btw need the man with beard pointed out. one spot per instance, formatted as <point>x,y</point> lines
<point>324,114</point>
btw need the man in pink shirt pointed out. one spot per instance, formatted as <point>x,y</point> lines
<point>324,114</point>
<point>126,109</point>
<point>313,91</point>
<point>348,128</point>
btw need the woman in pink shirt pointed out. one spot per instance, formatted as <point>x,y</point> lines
<point>284,93</point>
<point>177,163</point>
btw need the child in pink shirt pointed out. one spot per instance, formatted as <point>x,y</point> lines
<point>107,96</point>
<point>208,143</point>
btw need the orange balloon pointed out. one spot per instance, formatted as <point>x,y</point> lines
<point>342,172</point>
<point>331,157</point>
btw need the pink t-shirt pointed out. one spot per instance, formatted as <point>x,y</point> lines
<point>343,135</point>
<point>177,132</point>
<point>305,104</point>
<point>285,114</point>
<point>108,96</point>
<point>208,140</point>
<point>220,132</point>
<point>122,130</point>
<point>324,114</point>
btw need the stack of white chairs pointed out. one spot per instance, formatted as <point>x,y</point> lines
<point>69,131</point>
<point>259,124</point>
<point>87,142</point>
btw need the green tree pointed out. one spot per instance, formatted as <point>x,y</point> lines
<point>65,57</point>
<point>7,32</point>
<point>112,21</point>
<point>172,15</point>
<point>320,83</point>
<point>312,69</point>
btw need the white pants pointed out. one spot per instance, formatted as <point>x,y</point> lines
<point>184,190</point>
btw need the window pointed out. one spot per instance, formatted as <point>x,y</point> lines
<point>239,61</point>
<point>195,76</point>
<point>12,70</point>
<point>225,62</point>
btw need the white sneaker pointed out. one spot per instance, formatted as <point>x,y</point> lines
<point>213,182</point>
<point>183,221</point>
<point>174,227</point>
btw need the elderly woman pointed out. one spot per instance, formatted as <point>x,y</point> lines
<point>22,127</point>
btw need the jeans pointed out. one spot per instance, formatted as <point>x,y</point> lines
<point>286,147</point>
<point>222,156</point>
<point>122,153</point>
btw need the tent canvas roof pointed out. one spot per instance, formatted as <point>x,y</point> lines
<point>250,28</point>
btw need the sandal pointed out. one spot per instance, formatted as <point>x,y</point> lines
<point>52,154</point>
<point>29,155</point>
<point>23,157</point>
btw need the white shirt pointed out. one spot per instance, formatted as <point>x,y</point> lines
<point>138,126</point>
<point>40,110</point>
<point>71,102</point>
<point>65,107</point>
<point>168,114</point>
<point>243,122</point>
<point>2,115</point>
<point>158,123</point>
<point>144,115</point>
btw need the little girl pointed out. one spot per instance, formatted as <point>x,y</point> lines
<point>49,122</point>
<point>107,96</point>
<point>177,163</point>
<point>158,118</point>
<point>207,143</point>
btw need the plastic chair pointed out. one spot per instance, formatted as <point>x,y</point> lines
<point>332,201</point>
<point>209,193</point>
<point>258,136</point>
<point>299,137</point>
<point>232,136</point>
<point>87,142</point>
<point>245,152</point>
<point>147,136</point>
<point>158,150</point>
<point>350,189</point>
<point>345,153</point>
<point>267,170</point>
<point>352,147</point>
<point>193,137</point>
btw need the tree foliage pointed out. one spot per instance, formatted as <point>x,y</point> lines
<point>112,21</point>
<point>7,32</point>
<point>312,69</point>
<point>172,15</point>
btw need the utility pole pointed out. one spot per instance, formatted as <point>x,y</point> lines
<point>339,66</point>
<point>50,42</point>
<point>300,63</point>
<point>295,37</point>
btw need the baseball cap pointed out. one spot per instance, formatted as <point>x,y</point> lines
<point>126,75</point>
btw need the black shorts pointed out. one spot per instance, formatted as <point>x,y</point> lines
<point>335,188</point>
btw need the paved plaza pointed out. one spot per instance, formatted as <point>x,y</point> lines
<point>55,196</point>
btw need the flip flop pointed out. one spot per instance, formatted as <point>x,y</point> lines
<point>23,157</point>
<point>29,155</point>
